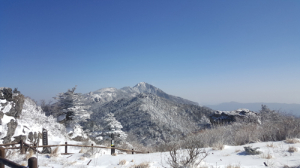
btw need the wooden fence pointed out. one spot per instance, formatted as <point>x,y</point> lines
<point>32,162</point>
<point>34,147</point>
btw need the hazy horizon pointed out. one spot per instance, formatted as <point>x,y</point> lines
<point>209,52</point>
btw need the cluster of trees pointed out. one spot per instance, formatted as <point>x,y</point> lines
<point>71,110</point>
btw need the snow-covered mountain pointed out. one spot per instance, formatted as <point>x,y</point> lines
<point>151,119</point>
<point>145,112</point>
<point>143,87</point>
<point>108,94</point>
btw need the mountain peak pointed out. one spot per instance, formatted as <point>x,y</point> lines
<point>144,87</point>
<point>142,84</point>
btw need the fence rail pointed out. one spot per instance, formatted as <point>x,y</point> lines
<point>32,162</point>
<point>23,145</point>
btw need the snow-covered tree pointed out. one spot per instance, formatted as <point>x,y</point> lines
<point>109,125</point>
<point>72,111</point>
<point>71,107</point>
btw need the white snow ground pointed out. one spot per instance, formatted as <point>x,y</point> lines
<point>230,155</point>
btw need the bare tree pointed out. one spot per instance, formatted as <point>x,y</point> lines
<point>185,155</point>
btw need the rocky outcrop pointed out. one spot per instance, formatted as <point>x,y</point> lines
<point>16,110</point>
<point>19,138</point>
<point>251,151</point>
<point>228,117</point>
<point>12,125</point>
<point>6,93</point>
<point>1,116</point>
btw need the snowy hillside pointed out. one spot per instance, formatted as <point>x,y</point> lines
<point>27,122</point>
<point>152,119</point>
<point>108,94</point>
<point>150,114</point>
<point>30,124</point>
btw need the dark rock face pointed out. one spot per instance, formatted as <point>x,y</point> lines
<point>1,116</point>
<point>30,137</point>
<point>16,110</point>
<point>20,137</point>
<point>240,115</point>
<point>12,125</point>
<point>251,151</point>
<point>6,93</point>
<point>79,138</point>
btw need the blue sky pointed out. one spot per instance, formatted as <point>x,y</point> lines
<point>206,51</point>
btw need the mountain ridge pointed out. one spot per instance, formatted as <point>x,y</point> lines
<point>292,108</point>
<point>107,94</point>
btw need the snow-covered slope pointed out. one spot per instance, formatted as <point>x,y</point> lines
<point>143,87</point>
<point>28,123</point>
<point>152,119</point>
<point>108,94</point>
<point>143,110</point>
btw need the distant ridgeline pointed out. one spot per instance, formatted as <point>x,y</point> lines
<point>146,114</point>
<point>293,109</point>
<point>142,113</point>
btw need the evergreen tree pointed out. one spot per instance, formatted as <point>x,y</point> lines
<point>109,125</point>
<point>70,107</point>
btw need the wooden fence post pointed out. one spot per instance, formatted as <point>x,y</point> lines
<point>34,146</point>
<point>112,150</point>
<point>92,149</point>
<point>2,154</point>
<point>132,151</point>
<point>32,162</point>
<point>66,147</point>
<point>22,149</point>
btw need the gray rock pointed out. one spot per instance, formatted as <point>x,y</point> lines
<point>19,137</point>
<point>35,137</point>
<point>251,151</point>
<point>30,137</point>
<point>1,116</point>
<point>228,117</point>
<point>12,125</point>
<point>40,136</point>
<point>6,93</point>
<point>79,138</point>
<point>16,110</point>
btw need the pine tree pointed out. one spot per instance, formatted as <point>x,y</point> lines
<point>111,126</point>
<point>72,111</point>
